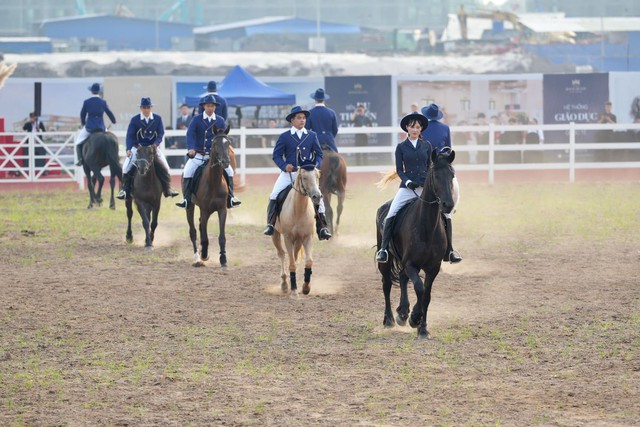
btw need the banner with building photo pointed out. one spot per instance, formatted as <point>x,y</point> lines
<point>578,98</point>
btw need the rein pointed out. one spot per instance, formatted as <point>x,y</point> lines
<point>218,161</point>
<point>429,202</point>
<point>304,191</point>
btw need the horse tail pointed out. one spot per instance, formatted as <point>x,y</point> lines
<point>113,159</point>
<point>387,177</point>
<point>332,174</point>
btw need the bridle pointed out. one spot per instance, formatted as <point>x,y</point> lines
<point>216,160</point>
<point>302,190</point>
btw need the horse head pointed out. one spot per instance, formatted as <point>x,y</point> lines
<point>307,182</point>
<point>440,179</point>
<point>220,147</point>
<point>145,157</point>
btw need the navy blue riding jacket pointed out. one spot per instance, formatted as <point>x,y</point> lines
<point>141,132</point>
<point>323,121</point>
<point>413,163</point>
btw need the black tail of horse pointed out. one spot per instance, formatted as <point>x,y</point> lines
<point>332,177</point>
<point>113,160</point>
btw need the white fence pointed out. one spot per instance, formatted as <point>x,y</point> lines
<point>50,156</point>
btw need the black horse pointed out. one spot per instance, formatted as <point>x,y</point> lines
<point>147,192</point>
<point>101,150</point>
<point>419,243</point>
<point>333,180</point>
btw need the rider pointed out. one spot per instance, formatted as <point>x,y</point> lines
<point>199,139</point>
<point>144,129</point>
<point>412,163</point>
<point>295,145</point>
<point>439,135</point>
<point>91,117</point>
<point>323,121</point>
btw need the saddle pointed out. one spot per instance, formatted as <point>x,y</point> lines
<point>395,221</point>
<point>282,196</point>
<point>197,175</point>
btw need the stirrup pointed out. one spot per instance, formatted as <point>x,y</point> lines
<point>269,230</point>
<point>382,256</point>
<point>233,202</point>
<point>324,234</point>
<point>121,195</point>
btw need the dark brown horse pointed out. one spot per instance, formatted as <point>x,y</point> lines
<point>211,196</point>
<point>147,193</point>
<point>101,150</point>
<point>333,180</point>
<point>419,243</point>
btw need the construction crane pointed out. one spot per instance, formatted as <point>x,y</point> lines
<point>179,5</point>
<point>80,7</point>
<point>492,14</point>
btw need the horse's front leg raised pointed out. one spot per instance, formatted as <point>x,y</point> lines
<point>277,242</point>
<point>222,238</point>
<point>308,263</point>
<point>403,307</point>
<point>128,205</point>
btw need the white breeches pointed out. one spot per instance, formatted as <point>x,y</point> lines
<point>198,160</point>
<point>404,196</point>
<point>129,161</point>
<point>82,135</point>
<point>285,179</point>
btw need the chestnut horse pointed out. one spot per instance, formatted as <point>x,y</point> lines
<point>419,243</point>
<point>296,225</point>
<point>333,180</point>
<point>211,196</point>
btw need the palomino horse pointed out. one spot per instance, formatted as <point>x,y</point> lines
<point>211,196</point>
<point>101,150</point>
<point>333,180</point>
<point>296,224</point>
<point>147,192</point>
<point>419,243</point>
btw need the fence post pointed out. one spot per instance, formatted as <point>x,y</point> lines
<point>243,155</point>
<point>572,152</point>
<point>491,153</point>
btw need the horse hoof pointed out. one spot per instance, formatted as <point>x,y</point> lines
<point>129,239</point>
<point>198,263</point>
<point>148,248</point>
<point>423,334</point>
<point>413,323</point>
<point>90,207</point>
<point>112,207</point>
<point>284,287</point>
<point>306,288</point>
<point>401,321</point>
<point>294,294</point>
<point>388,322</point>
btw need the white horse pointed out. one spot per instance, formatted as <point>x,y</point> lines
<point>296,224</point>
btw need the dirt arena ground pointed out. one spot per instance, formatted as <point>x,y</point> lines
<point>525,331</point>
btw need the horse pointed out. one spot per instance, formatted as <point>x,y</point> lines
<point>101,150</point>
<point>210,196</point>
<point>147,193</point>
<point>419,243</point>
<point>333,180</point>
<point>296,224</point>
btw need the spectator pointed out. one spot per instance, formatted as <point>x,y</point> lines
<point>361,119</point>
<point>34,125</point>
<point>535,136</point>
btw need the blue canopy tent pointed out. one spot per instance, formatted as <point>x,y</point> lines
<point>241,89</point>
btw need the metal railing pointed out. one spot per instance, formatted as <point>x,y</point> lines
<point>50,156</point>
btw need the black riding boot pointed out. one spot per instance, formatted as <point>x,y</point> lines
<point>321,225</point>
<point>232,202</point>
<point>382,256</point>
<point>186,191</point>
<point>79,153</point>
<point>451,255</point>
<point>271,218</point>
<point>127,185</point>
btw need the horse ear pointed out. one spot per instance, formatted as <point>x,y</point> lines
<point>452,156</point>
<point>434,156</point>
<point>226,131</point>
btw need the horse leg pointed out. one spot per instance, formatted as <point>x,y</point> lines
<point>90,181</point>
<point>222,239</point>
<point>144,212</point>
<point>430,276</point>
<point>112,183</point>
<point>197,262</point>
<point>204,237</point>
<point>154,220</point>
<point>128,204</point>
<point>418,286</point>
<point>328,211</point>
<point>340,195</point>
<point>292,250</point>
<point>97,174</point>
<point>308,263</point>
<point>403,307</point>
<point>277,242</point>
<point>385,270</point>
